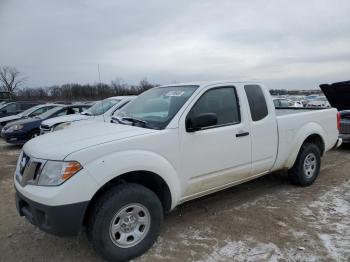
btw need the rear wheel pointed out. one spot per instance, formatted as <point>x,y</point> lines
<point>307,165</point>
<point>124,223</point>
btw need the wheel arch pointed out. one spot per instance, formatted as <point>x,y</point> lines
<point>312,138</point>
<point>148,179</point>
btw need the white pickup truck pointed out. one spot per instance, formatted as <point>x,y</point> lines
<point>169,145</point>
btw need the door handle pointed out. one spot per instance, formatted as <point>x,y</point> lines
<point>242,134</point>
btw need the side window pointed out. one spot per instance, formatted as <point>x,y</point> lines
<point>120,107</point>
<point>73,110</point>
<point>222,101</point>
<point>39,111</point>
<point>11,108</point>
<point>83,108</point>
<point>61,113</point>
<point>257,102</point>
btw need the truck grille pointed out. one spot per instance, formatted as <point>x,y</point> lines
<point>344,127</point>
<point>28,169</point>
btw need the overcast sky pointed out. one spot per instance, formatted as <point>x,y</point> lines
<point>287,44</point>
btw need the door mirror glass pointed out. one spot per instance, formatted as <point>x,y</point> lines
<point>201,121</point>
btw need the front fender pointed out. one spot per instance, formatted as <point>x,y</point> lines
<point>108,167</point>
<point>303,133</point>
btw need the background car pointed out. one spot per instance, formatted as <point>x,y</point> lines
<point>320,101</point>
<point>299,101</point>
<point>283,102</point>
<point>100,111</point>
<point>20,131</point>
<point>14,108</point>
<point>31,112</point>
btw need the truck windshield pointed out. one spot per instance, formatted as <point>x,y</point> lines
<point>101,107</point>
<point>156,107</point>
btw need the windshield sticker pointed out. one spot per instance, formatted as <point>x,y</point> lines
<point>175,93</point>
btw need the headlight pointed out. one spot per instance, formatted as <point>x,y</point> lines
<point>55,173</point>
<point>61,126</point>
<point>14,128</point>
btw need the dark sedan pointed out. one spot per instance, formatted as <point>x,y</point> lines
<point>19,132</point>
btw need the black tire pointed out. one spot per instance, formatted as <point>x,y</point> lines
<point>298,174</point>
<point>106,209</point>
<point>33,133</point>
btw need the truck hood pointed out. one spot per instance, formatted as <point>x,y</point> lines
<point>64,119</point>
<point>338,94</point>
<point>58,145</point>
<point>9,118</point>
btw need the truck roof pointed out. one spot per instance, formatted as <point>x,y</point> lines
<point>217,82</point>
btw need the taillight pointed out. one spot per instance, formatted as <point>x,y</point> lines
<point>338,120</point>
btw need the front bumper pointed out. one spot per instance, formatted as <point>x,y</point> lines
<point>15,137</point>
<point>64,220</point>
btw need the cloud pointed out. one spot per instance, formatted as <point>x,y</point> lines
<point>287,44</point>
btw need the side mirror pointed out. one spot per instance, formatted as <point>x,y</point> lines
<point>198,122</point>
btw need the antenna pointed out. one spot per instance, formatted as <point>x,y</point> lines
<point>99,78</point>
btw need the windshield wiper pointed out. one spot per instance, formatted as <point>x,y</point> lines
<point>135,120</point>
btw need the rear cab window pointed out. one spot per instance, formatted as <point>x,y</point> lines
<point>257,102</point>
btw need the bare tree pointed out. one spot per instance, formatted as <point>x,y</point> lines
<point>10,78</point>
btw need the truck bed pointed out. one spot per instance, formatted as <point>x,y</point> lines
<point>295,110</point>
<point>294,123</point>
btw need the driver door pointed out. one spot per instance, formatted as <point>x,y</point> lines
<point>220,155</point>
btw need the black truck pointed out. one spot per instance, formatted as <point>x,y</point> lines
<point>338,95</point>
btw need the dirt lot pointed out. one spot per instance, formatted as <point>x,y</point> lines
<point>266,219</point>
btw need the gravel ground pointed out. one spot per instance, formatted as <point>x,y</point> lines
<point>264,220</point>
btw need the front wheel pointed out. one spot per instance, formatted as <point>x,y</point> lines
<point>124,223</point>
<point>307,165</point>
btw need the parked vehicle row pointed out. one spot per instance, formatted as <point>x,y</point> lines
<point>20,131</point>
<point>100,111</point>
<point>13,108</point>
<point>298,101</point>
<point>31,112</point>
<point>169,145</point>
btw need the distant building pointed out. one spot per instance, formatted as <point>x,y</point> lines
<point>5,96</point>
